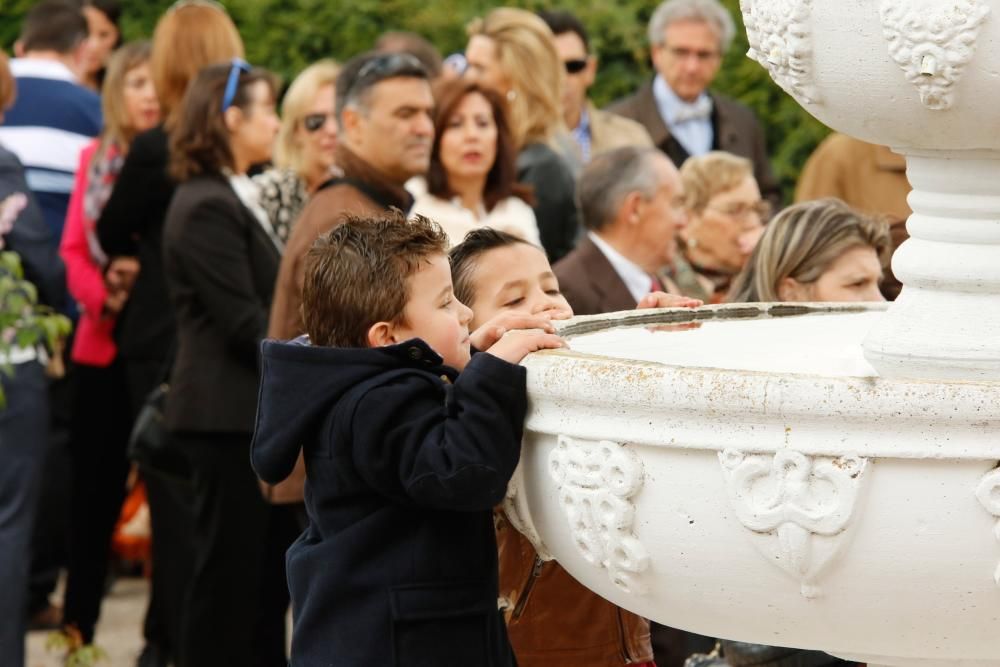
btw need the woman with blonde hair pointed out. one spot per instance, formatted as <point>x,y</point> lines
<point>726,216</point>
<point>101,415</point>
<point>307,142</point>
<point>513,52</point>
<point>821,250</point>
<point>189,36</point>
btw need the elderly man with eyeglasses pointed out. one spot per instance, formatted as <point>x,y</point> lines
<point>594,131</point>
<point>688,39</point>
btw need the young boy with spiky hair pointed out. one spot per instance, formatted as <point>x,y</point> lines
<point>409,441</point>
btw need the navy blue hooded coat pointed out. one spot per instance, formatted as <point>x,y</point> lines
<point>405,459</point>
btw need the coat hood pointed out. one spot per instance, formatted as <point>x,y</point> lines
<point>301,383</point>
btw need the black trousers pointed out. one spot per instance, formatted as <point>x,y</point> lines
<point>101,425</point>
<point>237,599</point>
<point>24,426</point>
<point>50,537</point>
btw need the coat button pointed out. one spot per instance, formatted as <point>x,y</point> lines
<point>415,353</point>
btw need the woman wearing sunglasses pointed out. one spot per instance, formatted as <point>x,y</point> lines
<point>307,141</point>
<point>221,259</point>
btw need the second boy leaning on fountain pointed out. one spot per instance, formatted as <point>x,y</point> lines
<point>552,620</point>
<point>409,441</point>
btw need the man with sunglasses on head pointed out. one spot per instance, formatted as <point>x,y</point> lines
<point>384,113</point>
<point>688,39</point>
<point>594,131</point>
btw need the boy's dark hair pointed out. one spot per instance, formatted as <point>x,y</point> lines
<point>464,258</point>
<point>560,22</point>
<point>356,274</point>
<point>53,25</point>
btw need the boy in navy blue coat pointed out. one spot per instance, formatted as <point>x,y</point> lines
<point>405,456</point>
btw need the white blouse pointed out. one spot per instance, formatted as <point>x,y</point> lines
<point>510,215</point>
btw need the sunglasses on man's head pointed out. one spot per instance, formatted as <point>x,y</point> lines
<point>575,66</point>
<point>315,121</point>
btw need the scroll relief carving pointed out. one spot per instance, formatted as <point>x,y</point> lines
<point>797,506</point>
<point>933,43</point>
<point>781,40</point>
<point>988,493</point>
<point>597,482</point>
<point>516,509</point>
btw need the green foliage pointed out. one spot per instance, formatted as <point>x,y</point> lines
<point>23,323</point>
<point>286,35</point>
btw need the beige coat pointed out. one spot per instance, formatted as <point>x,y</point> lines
<point>609,131</point>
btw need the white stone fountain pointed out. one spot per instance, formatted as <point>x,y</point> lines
<point>810,476</point>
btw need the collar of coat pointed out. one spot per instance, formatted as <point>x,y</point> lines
<point>370,181</point>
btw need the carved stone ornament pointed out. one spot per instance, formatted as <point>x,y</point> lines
<point>597,482</point>
<point>988,493</point>
<point>517,512</point>
<point>933,43</point>
<point>780,39</point>
<point>789,500</point>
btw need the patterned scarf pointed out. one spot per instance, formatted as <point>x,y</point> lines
<point>102,172</point>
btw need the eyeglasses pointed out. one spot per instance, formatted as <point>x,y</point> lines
<point>315,121</point>
<point>702,56</point>
<point>232,83</point>
<point>576,65</point>
<point>385,66</point>
<point>740,210</point>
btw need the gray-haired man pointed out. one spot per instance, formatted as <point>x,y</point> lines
<point>688,39</point>
<point>384,107</point>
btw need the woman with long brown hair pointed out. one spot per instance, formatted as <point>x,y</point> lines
<point>101,414</point>
<point>130,227</point>
<point>471,181</point>
<point>512,51</point>
<point>221,259</point>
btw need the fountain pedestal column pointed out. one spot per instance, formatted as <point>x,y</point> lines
<point>946,323</point>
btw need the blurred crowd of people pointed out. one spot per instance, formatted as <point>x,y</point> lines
<point>174,190</point>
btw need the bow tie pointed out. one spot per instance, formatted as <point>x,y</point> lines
<point>700,109</point>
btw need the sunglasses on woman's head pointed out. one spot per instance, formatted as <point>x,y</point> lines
<point>232,83</point>
<point>575,66</point>
<point>315,121</point>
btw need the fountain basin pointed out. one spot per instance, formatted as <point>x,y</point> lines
<point>755,479</point>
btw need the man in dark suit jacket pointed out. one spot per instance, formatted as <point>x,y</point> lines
<point>688,39</point>
<point>631,206</point>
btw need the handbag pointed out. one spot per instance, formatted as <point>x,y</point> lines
<point>149,443</point>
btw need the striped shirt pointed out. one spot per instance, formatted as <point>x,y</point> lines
<point>51,121</point>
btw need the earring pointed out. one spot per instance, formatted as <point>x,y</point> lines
<point>511,95</point>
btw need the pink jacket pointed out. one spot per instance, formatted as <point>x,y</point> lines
<point>94,344</point>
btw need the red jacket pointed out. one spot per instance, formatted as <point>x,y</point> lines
<point>94,344</point>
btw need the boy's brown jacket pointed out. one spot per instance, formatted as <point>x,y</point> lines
<point>553,621</point>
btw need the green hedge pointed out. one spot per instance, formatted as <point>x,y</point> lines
<point>286,35</point>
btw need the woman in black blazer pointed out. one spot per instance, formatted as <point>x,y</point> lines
<point>220,262</point>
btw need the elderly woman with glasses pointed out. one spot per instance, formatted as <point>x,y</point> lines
<point>726,217</point>
<point>307,144</point>
<point>221,258</point>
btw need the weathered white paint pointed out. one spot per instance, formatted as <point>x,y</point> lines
<point>851,514</point>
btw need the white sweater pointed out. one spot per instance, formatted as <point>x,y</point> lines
<point>510,215</point>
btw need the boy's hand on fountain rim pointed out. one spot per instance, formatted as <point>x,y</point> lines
<point>493,330</point>
<point>515,345</point>
<point>664,300</point>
